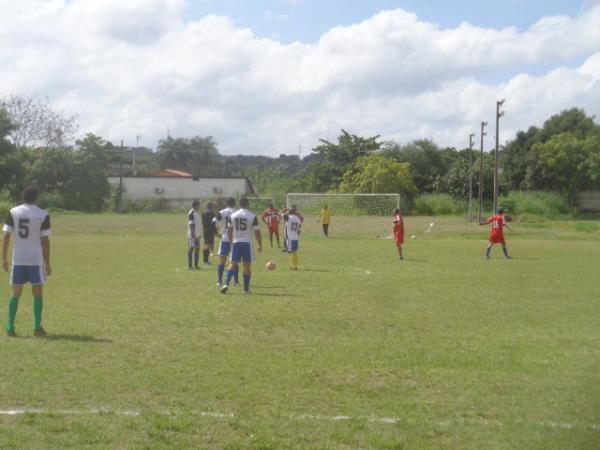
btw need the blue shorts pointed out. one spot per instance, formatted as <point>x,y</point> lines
<point>193,243</point>
<point>223,248</point>
<point>292,246</point>
<point>27,274</point>
<point>242,251</point>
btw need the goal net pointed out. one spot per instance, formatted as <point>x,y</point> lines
<point>352,214</point>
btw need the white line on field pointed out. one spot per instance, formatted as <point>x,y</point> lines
<point>368,272</point>
<point>316,417</point>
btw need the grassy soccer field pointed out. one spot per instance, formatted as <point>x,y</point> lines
<point>356,350</point>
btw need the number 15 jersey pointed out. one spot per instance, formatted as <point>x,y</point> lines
<point>28,224</point>
<point>243,222</point>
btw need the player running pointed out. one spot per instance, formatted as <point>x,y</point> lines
<point>293,224</point>
<point>31,257</point>
<point>224,217</point>
<point>399,232</point>
<point>240,228</point>
<point>497,234</point>
<point>271,219</point>
<point>209,231</point>
<point>193,234</point>
<point>325,219</point>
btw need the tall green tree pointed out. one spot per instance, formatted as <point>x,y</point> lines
<point>11,169</point>
<point>428,162</point>
<point>198,155</point>
<point>520,162</point>
<point>377,174</point>
<point>566,162</point>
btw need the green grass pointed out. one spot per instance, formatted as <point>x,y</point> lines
<point>462,352</point>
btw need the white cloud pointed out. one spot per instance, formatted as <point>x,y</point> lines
<point>135,67</point>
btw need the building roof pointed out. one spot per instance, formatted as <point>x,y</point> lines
<point>171,173</point>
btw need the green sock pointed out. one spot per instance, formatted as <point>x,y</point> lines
<point>38,304</point>
<point>13,305</point>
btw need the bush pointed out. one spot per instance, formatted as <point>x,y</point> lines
<point>148,205</point>
<point>543,204</point>
<point>438,205</point>
<point>52,199</point>
<point>5,207</point>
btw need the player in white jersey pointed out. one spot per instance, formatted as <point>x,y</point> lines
<point>243,223</point>
<point>293,225</point>
<point>30,226</point>
<point>222,219</point>
<point>193,234</point>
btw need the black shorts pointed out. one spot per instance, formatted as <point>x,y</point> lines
<point>209,239</point>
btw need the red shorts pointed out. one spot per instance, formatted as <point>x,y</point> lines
<point>273,228</point>
<point>497,239</point>
<point>399,237</point>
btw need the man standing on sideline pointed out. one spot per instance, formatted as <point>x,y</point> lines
<point>399,232</point>
<point>209,231</point>
<point>30,226</point>
<point>325,219</point>
<point>194,235</point>
<point>224,217</point>
<point>242,225</point>
<point>271,219</point>
<point>497,233</point>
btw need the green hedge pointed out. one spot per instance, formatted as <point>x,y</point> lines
<point>5,207</point>
<point>543,204</point>
<point>438,205</point>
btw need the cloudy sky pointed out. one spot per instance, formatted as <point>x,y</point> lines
<point>268,76</point>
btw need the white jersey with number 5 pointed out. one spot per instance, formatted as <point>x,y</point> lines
<point>292,227</point>
<point>28,224</point>
<point>243,222</point>
<point>224,216</point>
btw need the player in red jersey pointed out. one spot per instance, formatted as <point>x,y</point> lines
<point>399,232</point>
<point>497,234</point>
<point>271,219</point>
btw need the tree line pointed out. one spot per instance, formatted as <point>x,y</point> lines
<point>37,145</point>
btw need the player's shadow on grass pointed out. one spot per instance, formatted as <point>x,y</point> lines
<point>276,294</point>
<point>78,338</point>
<point>258,286</point>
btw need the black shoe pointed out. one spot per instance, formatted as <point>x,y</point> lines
<point>11,333</point>
<point>223,289</point>
<point>40,332</point>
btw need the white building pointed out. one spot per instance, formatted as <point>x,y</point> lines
<point>180,191</point>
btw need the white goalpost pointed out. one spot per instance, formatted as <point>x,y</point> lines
<point>352,214</point>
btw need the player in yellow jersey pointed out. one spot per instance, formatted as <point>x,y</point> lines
<point>325,219</point>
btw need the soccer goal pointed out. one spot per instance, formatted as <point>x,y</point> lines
<point>352,214</point>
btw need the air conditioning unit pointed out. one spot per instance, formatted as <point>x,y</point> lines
<point>159,191</point>
<point>217,190</point>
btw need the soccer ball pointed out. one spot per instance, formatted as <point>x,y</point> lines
<point>413,237</point>
<point>271,265</point>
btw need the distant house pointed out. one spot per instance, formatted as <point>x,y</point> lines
<point>180,188</point>
<point>170,173</point>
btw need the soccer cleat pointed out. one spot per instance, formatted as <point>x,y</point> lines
<point>223,289</point>
<point>40,333</point>
<point>248,292</point>
<point>208,263</point>
<point>11,333</point>
<point>509,257</point>
<point>400,258</point>
<point>236,284</point>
